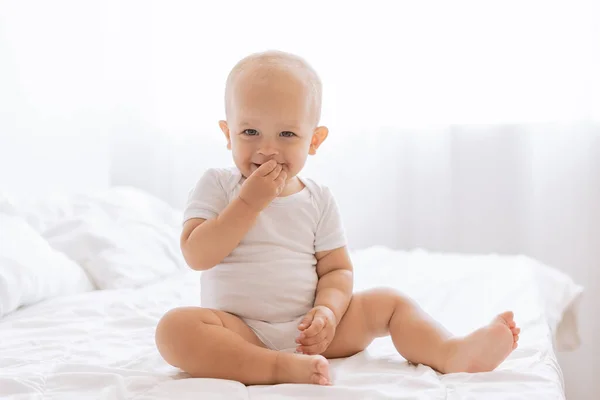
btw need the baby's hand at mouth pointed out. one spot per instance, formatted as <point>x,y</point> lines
<point>263,185</point>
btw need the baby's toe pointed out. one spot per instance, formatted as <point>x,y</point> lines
<point>316,379</point>
<point>507,317</point>
<point>322,370</point>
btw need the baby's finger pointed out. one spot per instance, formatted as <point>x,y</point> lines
<point>317,326</point>
<point>281,178</point>
<point>309,341</point>
<point>313,349</point>
<point>267,168</point>
<point>306,321</point>
<point>275,173</point>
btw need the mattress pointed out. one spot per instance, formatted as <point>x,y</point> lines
<point>100,344</point>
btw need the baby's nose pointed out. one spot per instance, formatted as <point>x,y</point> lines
<point>268,151</point>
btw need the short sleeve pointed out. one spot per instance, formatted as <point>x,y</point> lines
<point>208,198</point>
<point>330,233</point>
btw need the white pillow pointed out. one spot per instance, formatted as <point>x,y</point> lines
<point>562,299</point>
<point>30,270</point>
<point>123,238</point>
<point>44,211</point>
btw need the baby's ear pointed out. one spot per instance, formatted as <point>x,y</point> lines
<point>319,136</point>
<point>225,128</point>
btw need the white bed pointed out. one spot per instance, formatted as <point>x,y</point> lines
<point>97,340</point>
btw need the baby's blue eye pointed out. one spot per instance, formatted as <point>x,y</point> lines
<point>288,134</point>
<point>250,132</point>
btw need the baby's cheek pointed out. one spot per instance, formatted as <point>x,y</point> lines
<point>294,165</point>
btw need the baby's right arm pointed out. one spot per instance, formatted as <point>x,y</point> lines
<point>205,243</point>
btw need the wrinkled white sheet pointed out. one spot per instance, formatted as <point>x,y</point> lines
<point>100,345</point>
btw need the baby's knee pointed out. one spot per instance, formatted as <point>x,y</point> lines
<point>186,315</point>
<point>389,298</point>
<point>180,322</point>
<point>178,328</point>
<point>169,325</point>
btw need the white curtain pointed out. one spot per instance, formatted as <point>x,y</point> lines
<point>469,126</point>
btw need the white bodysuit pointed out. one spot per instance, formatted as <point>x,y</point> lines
<point>269,280</point>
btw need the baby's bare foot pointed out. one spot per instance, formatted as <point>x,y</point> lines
<point>484,349</point>
<point>300,368</point>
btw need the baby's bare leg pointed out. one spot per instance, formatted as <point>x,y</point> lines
<point>381,312</point>
<point>214,344</point>
<point>417,337</point>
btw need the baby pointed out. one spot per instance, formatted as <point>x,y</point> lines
<point>277,282</point>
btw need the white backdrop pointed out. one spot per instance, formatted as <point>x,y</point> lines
<point>455,126</point>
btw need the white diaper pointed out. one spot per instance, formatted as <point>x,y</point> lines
<point>280,336</point>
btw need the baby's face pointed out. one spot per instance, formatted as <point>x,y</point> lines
<point>270,118</point>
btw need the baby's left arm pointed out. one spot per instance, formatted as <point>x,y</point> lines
<point>334,291</point>
<point>334,288</point>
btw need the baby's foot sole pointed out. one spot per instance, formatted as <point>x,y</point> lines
<point>484,349</point>
<point>300,368</point>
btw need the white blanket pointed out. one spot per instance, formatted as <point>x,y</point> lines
<point>100,344</point>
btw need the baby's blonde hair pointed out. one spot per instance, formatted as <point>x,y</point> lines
<point>275,59</point>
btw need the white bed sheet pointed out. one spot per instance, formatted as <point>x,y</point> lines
<point>100,345</point>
